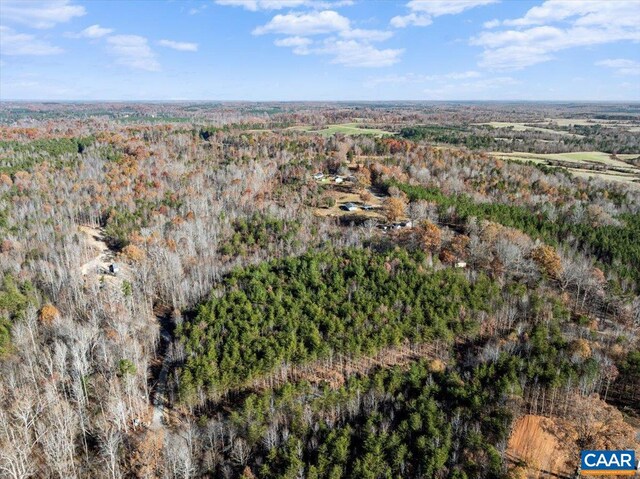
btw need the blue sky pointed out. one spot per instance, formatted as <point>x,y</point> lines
<point>320,50</point>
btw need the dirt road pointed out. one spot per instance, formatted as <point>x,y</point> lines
<point>99,265</point>
<point>94,239</point>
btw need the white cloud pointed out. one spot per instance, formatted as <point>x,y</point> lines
<point>348,46</point>
<point>313,23</point>
<point>40,13</point>
<point>437,8</point>
<point>622,66</point>
<point>368,35</point>
<point>14,43</point>
<point>196,10</point>
<point>94,31</point>
<point>402,21</point>
<point>180,46</point>
<point>319,23</point>
<point>554,26</point>
<point>255,5</point>
<point>293,42</point>
<point>133,51</point>
<point>353,53</point>
<point>491,23</point>
<point>422,12</point>
<point>299,45</point>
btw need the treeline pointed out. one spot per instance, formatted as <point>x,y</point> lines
<point>449,135</point>
<point>574,138</point>
<point>300,309</point>
<point>15,298</point>
<point>18,155</point>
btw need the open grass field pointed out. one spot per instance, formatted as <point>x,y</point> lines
<point>575,157</point>
<point>343,128</point>
<point>582,164</point>
<point>523,127</point>
<point>563,122</point>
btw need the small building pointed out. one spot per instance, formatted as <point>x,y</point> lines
<point>338,179</point>
<point>461,264</point>
<point>349,207</point>
<point>318,176</point>
<point>114,268</point>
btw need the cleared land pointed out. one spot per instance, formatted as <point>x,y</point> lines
<point>564,122</point>
<point>524,127</point>
<point>343,128</point>
<point>585,164</point>
<point>549,125</point>
<point>346,194</point>
<point>548,446</point>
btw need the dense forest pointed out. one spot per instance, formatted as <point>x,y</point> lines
<point>247,291</point>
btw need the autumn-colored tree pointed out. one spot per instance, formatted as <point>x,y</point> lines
<point>363,178</point>
<point>48,313</point>
<point>430,236</point>
<point>133,253</point>
<point>598,276</point>
<point>446,256</point>
<point>146,453</point>
<point>581,348</point>
<point>437,366</point>
<point>6,246</point>
<point>459,245</point>
<point>5,180</point>
<point>394,208</point>
<point>548,259</point>
<point>247,473</point>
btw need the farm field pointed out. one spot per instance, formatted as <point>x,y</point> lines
<point>583,163</point>
<point>549,125</point>
<point>524,127</point>
<point>563,122</point>
<point>343,128</point>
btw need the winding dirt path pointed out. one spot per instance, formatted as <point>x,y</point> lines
<point>94,239</point>
<point>99,265</point>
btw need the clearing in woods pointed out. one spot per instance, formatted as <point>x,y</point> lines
<point>610,123</point>
<point>98,265</point>
<point>535,443</point>
<point>102,256</point>
<point>524,127</point>
<point>583,163</point>
<point>344,128</point>
<point>549,446</point>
